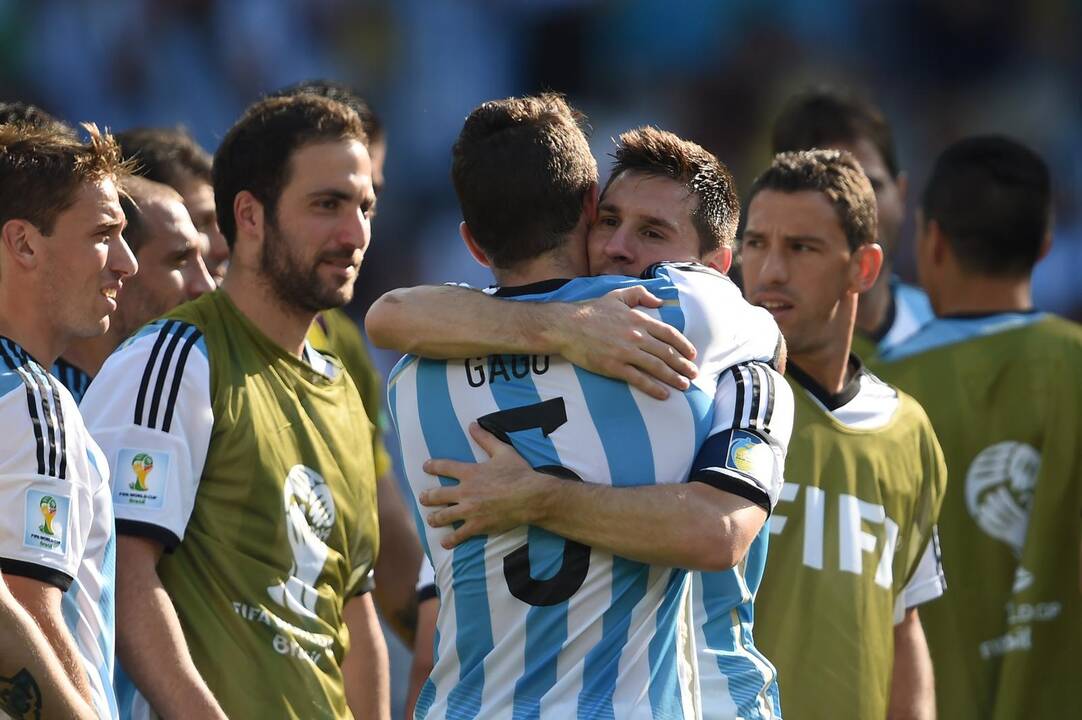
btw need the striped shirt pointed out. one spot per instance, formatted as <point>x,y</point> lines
<point>55,483</point>
<point>530,624</point>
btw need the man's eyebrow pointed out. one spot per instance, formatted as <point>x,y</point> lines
<point>110,224</point>
<point>806,238</point>
<point>608,207</point>
<point>660,222</point>
<point>331,192</point>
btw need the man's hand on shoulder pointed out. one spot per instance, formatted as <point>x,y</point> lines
<point>611,337</point>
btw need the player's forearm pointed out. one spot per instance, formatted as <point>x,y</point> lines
<point>398,562</point>
<point>453,322</point>
<point>150,636</point>
<point>42,602</point>
<point>38,686</point>
<point>912,694</point>
<point>690,525</point>
<point>365,668</point>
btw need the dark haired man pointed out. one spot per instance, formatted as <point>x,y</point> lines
<point>160,233</point>
<point>891,310</point>
<point>1001,383</point>
<point>62,263</point>
<point>335,331</point>
<point>243,479</point>
<point>584,616</point>
<point>853,549</point>
<point>172,157</point>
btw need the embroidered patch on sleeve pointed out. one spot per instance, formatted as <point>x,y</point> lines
<point>139,478</point>
<point>46,521</point>
<point>751,455</point>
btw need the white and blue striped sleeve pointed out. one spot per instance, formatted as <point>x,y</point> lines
<point>49,507</point>
<point>150,411</point>
<point>744,453</point>
<point>724,328</point>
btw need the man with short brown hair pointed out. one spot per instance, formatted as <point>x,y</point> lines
<point>168,248</point>
<point>62,262</point>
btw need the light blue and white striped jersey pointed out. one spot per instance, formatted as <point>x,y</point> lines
<point>531,625</point>
<point>54,480</point>
<point>736,680</point>
<point>910,311</point>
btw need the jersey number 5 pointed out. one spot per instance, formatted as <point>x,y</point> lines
<point>545,416</point>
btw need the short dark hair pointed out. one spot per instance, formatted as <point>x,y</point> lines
<point>255,154</point>
<point>20,113</point>
<point>140,192</point>
<point>650,151</point>
<point>165,155</point>
<point>333,90</point>
<point>821,117</point>
<point>521,168</point>
<point>42,169</point>
<point>836,174</point>
<point>992,197</point>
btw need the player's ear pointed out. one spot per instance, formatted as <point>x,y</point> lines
<point>1046,244</point>
<point>590,203</point>
<point>865,266</point>
<point>472,246</point>
<point>248,213</point>
<point>720,259</point>
<point>19,239</point>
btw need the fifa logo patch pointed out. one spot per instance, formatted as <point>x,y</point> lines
<point>46,522</point>
<point>140,478</point>
<point>749,454</point>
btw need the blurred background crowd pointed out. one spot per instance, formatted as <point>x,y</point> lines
<point>713,72</point>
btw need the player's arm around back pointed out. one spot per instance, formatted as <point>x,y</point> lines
<point>151,631</point>
<point>705,525</point>
<point>34,683</point>
<point>606,336</point>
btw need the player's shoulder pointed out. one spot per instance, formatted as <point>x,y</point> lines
<point>691,278</point>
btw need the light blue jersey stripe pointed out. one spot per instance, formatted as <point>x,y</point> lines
<point>427,696</point>
<point>546,626</point>
<point>418,521</point>
<point>629,454</point>
<point>664,680</point>
<point>445,439</point>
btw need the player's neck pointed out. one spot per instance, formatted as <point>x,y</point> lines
<point>30,325</point>
<point>967,294</point>
<point>550,266</point>
<point>89,354</point>
<point>874,305</point>
<point>256,300</point>
<point>828,363</point>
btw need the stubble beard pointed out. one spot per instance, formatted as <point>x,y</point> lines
<point>295,285</point>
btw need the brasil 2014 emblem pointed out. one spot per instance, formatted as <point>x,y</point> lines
<point>48,513</point>
<point>141,465</point>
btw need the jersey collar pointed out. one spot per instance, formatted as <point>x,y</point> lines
<point>831,401</point>
<point>537,288</point>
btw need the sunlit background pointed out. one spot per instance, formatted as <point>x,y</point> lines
<point>715,71</point>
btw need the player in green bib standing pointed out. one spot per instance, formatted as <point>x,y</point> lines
<point>852,549</point>
<point>243,475</point>
<point>1002,384</point>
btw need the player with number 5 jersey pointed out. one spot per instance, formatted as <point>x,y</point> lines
<point>534,622</point>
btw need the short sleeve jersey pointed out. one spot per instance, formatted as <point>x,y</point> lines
<point>530,624</point>
<point>852,544</point>
<point>1004,392</point>
<point>59,528</point>
<point>254,469</point>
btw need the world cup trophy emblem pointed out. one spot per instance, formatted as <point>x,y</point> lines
<point>141,465</point>
<point>48,513</point>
